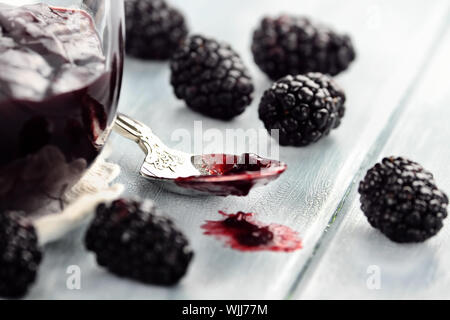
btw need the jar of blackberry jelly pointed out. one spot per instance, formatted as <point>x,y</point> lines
<point>60,76</point>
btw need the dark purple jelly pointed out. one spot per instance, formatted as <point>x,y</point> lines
<point>58,97</point>
<point>226,175</point>
<point>241,232</point>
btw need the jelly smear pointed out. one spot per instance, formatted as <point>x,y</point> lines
<point>226,175</point>
<point>241,232</point>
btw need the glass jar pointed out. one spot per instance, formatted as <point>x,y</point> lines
<point>61,68</point>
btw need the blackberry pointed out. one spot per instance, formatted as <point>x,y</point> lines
<point>400,198</point>
<point>153,29</point>
<point>294,45</point>
<point>211,78</point>
<point>303,108</point>
<point>19,254</point>
<point>132,241</point>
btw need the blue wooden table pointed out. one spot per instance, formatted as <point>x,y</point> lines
<point>398,104</point>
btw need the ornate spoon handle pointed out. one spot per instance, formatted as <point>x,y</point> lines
<point>160,161</point>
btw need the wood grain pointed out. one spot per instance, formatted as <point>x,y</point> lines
<point>393,39</point>
<point>416,271</point>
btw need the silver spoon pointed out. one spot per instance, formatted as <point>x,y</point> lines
<point>180,172</point>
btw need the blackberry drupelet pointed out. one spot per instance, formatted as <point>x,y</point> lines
<point>132,241</point>
<point>303,108</point>
<point>154,29</point>
<point>19,254</point>
<point>294,45</point>
<point>400,198</point>
<point>211,78</point>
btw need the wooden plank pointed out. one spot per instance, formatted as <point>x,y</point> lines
<point>387,36</point>
<point>354,251</point>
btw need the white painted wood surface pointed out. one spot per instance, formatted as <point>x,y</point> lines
<point>351,254</point>
<point>394,40</point>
